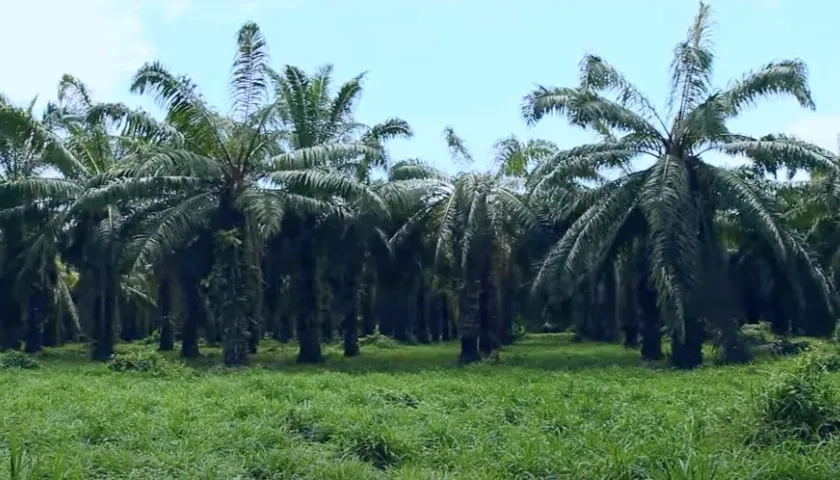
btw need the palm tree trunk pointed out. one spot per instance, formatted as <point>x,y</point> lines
<point>435,316</point>
<point>507,310</point>
<point>164,307</point>
<point>628,309</point>
<point>104,315</point>
<point>446,319</point>
<point>307,314</point>
<point>350,294</point>
<point>367,301</point>
<point>232,283</point>
<point>469,323</point>
<point>687,349</point>
<point>421,325</point>
<point>39,306</point>
<point>10,321</point>
<point>651,325</point>
<point>488,312</point>
<point>286,328</point>
<point>401,309</point>
<point>192,312</point>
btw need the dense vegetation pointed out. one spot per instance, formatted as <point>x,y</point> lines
<point>548,409</point>
<point>286,218</point>
<point>281,231</point>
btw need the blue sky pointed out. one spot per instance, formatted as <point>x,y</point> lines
<point>464,63</point>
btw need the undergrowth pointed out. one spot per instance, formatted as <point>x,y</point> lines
<point>800,403</point>
<point>548,409</point>
<point>17,361</point>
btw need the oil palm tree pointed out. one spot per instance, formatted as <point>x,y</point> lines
<point>83,142</point>
<point>672,203</point>
<point>239,175</point>
<point>471,220</point>
<point>317,119</point>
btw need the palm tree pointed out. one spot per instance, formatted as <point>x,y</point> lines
<point>316,120</point>
<point>471,220</point>
<point>672,203</point>
<point>238,175</point>
<point>83,142</point>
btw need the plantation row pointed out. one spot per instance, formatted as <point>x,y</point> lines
<point>285,217</point>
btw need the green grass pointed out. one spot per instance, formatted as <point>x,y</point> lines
<point>547,409</point>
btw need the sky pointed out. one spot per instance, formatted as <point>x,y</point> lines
<point>435,63</point>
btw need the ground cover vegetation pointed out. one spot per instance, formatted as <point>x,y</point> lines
<point>279,235</point>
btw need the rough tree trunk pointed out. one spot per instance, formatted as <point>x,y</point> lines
<point>469,323</point>
<point>651,325</point>
<point>39,305</point>
<point>307,314</point>
<point>164,307</point>
<point>421,326</point>
<point>350,294</point>
<point>192,312</point>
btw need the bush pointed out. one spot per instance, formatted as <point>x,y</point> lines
<point>378,340</point>
<point>17,361</point>
<point>734,345</point>
<point>784,347</point>
<point>758,334</point>
<point>377,445</point>
<point>143,361</point>
<point>799,404</point>
<point>824,359</point>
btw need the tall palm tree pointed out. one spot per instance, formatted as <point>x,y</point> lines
<point>238,175</point>
<point>471,220</point>
<point>672,203</point>
<point>317,119</point>
<point>83,142</point>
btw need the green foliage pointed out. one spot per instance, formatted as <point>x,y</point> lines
<point>377,340</point>
<point>785,346</point>
<point>15,360</point>
<point>758,334</point>
<point>23,467</point>
<point>548,409</point>
<point>520,327</point>
<point>148,362</point>
<point>799,404</point>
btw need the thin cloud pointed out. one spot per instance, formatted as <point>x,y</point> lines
<point>821,130</point>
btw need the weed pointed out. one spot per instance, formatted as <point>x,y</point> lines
<point>14,360</point>
<point>549,408</point>
<point>148,362</point>
<point>798,404</point>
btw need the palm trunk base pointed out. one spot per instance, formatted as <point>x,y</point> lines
<point>631,336</point>
<point>310,347</point>
<point>487,343</point>
<point>652,344</point>
<point>469,350</point>
<point>167,339</point>
<point>687,353</point>
<point>235,352</point>
<point>351,344</point>
<point>101,351</point>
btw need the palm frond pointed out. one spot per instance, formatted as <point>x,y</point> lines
<point>249,81</point>
<point>457,147</point>
<point>691,67</point>
<point>786,77</point>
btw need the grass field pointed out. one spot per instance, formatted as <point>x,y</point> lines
<point>546,409</point>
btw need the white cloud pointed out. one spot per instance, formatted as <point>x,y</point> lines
<point>821,130</point>
<point>100,41</point>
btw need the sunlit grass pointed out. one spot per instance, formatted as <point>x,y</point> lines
<point>546,409</point>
